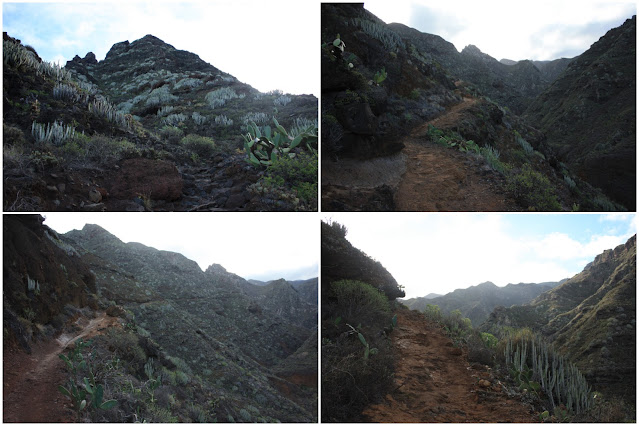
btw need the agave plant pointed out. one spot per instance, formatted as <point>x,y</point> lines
<point>263,148</point>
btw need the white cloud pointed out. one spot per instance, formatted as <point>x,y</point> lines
<point>439,253</point>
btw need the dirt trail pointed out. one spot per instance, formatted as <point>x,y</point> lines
<point>30,388</point>
<point>442,179</point>
<point>434,382</point>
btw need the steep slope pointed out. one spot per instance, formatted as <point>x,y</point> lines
<point>588,114</point>
<point>477,302</point>
<point>391,93</point>
<point>591,318</point>
<point>149,127</point>
<point>228,330</point>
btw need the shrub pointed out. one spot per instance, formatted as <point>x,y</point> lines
<point>56,133</point>
<point>298,173</point>
<point>171,134</point>
<point>218,97</point>
<point>534,365</point>
<point>533,190</point>
<point>174,119</point>
<point>359,302</point>
<point>201,145</point>
<point>433,313</point>
<point>492,158</point>
<point>282,100</point>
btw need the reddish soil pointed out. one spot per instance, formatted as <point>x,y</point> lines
<point>442,179</point>
<point>30,386</point>
<point>435,383</point>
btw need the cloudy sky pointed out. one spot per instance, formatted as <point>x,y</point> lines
<point>538,30</point>
<point>262,246</point>
<point>438,253</point>
<point>268,44</point>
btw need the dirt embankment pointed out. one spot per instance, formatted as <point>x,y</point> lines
<point>30,386</point>
<point>435,383</point>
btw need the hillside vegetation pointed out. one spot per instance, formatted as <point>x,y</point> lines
<point>150,127</point>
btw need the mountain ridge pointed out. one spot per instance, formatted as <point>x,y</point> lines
<point>478,301</point>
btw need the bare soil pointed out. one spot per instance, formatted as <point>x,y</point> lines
<point>438,178</point>
<point>435,383</point>
<point>30,385</point>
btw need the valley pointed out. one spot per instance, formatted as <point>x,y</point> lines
<point>165,340</point>
<point>406,118</point>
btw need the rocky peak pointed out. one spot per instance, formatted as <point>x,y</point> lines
<point>472,50</point>
<point>216,269</point>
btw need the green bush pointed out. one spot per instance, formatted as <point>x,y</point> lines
<point>298,173</point>
<point>201,145</point>
<point>171,134</point>
<point>357,300</point>
<point>433,313</point>
<point>533,190</point>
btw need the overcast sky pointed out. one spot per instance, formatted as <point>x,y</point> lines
<point>438,253</point>
<point>538,30</point>
<point>262,246</point>
<point>268,44</point>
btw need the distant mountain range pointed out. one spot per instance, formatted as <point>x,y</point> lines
<point>477,302</point>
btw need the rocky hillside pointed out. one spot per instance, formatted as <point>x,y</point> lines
<point>252,350</point>
<point>477,302</point>
<point>589,113</point>
<point>409,123</point>
<point>150,127</point>
<point>591,318</point>
<point>512,86</point>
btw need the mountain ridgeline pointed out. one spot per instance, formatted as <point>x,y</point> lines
<point>564,127</point>
<point>249,346</point>
<point>149,127</point>
<point>477,302</point>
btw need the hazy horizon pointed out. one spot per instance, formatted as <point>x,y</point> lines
<point>444,252</point>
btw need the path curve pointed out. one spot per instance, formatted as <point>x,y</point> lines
<point>443,179</point>
<point>30,385</point>
<point>434,382</point>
